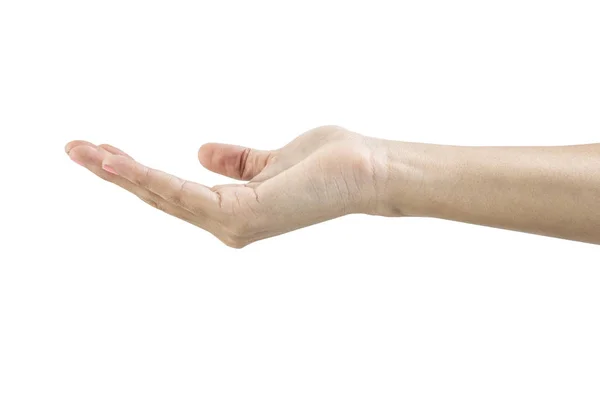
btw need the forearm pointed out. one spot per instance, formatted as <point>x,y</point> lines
<point>553,191</point>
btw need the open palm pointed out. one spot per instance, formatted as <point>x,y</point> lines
<point>323,174</point>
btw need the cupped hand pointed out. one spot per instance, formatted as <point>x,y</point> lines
<point>323,174</point>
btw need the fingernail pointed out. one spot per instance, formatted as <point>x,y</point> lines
<point>108,168</point>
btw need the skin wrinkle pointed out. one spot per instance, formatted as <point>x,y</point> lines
<point>255,195</point>
<point>374,180</point>
<point>319,182</point>
<point>243,163</point>
<point>337,188</point>
<point>314,188</point>
<point>255,213</point>
<point>237,199</point>
<point>182,188</point>
<point>176,197</point>
<point>348,191</point>
<point>373,165</point>
<point>144,178</point>
<point>218,193</point>
<point>233,203</point>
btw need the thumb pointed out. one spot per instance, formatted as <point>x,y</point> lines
<point>233,161</point>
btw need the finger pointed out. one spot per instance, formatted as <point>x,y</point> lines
<point>107,147</point>
<point>114,150</point>
<point>189,195</point>
<point>233,161</point>
<point>91,157</point>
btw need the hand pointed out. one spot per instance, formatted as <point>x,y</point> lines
<point>323,174</point>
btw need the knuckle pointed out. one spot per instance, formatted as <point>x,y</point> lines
<point>153,203</point>
<point>143,177</point>
<point>176,197</point>
<point>160,206</point>
<point>328,132</point>
<point>106,176</point>
<point>149,201</point>
<point>330,128</point>
<point>360,160</point>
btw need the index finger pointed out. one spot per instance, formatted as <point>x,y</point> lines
<point>189,195</point>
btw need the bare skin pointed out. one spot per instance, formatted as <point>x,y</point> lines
<point>329,172</point>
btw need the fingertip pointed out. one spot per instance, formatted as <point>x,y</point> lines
<point>72,144</point>
<point>109,169</point>
<point>84,155</point>
<point>205,153</point>
<point>113,150</point>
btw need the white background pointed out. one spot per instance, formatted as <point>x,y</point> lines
<point>102,297</point>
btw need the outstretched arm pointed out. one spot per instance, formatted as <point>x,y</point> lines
<point>329,172</point>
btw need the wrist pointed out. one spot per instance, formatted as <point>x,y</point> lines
<point>410,177</point>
